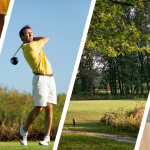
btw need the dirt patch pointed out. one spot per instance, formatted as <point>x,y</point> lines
<point>120,138</point>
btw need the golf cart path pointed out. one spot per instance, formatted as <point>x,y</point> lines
<point>120,138</point>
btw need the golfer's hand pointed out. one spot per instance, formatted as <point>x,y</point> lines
<point>45,39</point>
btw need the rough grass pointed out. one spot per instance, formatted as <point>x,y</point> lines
<point>80,142</point>
<point>123,119</point>
<point>16,106</point>
<point>34,145</point>
<point>12,133</point>
<point>14,110</point>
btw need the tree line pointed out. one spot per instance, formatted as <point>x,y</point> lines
<point>116,50</point>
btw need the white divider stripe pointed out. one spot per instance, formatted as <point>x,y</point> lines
<point>7,17</point>
<point>138,141</point>
<point>74,75</point>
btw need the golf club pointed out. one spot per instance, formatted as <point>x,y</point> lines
<point>14,60</point>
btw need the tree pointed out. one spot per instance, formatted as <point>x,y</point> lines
<point>112,32</point>
<point>117,41</point>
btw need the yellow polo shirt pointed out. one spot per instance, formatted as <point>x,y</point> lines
<point>36,58</point>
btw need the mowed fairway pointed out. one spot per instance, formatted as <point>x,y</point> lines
<point>88,113</point>
<point>85,111</point>
<point>32,145</point>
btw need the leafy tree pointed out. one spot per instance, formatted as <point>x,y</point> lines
<point>113,31</point>
<point>116,49</point>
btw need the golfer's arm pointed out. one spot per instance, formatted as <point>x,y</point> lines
<point>45,39</point>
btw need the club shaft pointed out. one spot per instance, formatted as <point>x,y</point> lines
<point>18,50</point>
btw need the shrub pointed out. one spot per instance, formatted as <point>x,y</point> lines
<point>123,119</point>
<point>15,108</point>
<point>12,134</point>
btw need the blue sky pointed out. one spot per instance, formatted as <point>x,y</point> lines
<point>62,22</point>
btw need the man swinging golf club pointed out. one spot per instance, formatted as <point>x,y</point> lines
<point>44,90</point>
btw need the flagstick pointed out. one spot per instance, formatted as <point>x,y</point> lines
<point>109,98</point>
<point>108,88</point>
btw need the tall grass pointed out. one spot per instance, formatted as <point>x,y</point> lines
<point>123,119</point>
<point>16,106</point>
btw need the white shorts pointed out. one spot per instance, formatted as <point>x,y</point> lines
<point>44,90</point>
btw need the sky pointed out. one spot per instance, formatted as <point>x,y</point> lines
<point>62,22</point>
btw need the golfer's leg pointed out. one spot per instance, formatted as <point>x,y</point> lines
<point>32,115</point>
<point>48,118</point>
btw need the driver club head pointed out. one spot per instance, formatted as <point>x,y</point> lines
<point>14,60</point>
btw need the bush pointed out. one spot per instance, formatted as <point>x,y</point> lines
<point>12,134</point>
<point>105,96</point>
<point>15,108</point>
<point>123,119</point>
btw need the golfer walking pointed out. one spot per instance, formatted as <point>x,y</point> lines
<point>44,89</point>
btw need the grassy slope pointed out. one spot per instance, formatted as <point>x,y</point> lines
<point>88,114</point>
<point>80,142</point>
<point>15,145</point>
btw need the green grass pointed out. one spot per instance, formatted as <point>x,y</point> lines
<point>34,145</point>
<point>88,114</point>
<point>80,142</point>
<point>101,106</point>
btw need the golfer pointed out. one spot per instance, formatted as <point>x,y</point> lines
<point>44,89</point>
